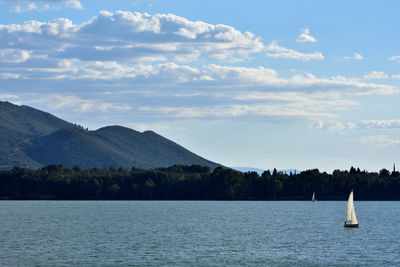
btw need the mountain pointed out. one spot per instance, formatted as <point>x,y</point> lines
<point>28,120</point>
<point>19,125</point>
<point>33,138</point>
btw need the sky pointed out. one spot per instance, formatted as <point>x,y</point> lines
<point>265,84</point>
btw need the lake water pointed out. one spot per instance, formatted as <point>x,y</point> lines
<point>197,233</point>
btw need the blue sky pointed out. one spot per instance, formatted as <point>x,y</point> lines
<point>285,84</point>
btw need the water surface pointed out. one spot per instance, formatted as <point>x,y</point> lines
<point>187,233</point>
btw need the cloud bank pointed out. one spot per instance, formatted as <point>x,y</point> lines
<point>164,66</point>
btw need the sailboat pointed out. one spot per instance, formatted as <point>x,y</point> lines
<point>351,219</point>
<point>313,199</point>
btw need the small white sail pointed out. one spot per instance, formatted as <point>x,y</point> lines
<point>351,219</point>
<point>313,199</point>
<point>353,216</point>
<point>350,207</point>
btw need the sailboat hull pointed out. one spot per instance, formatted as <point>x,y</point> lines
<point>349,225</point>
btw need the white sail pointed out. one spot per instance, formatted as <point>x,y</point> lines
<point>353,216</point>
<point>313,197</point>
<point>350,207</point>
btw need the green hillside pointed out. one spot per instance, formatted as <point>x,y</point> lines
<point>149,148</point>
<point>28,120</point>
<point>19,125</point>
<point>32,138</point>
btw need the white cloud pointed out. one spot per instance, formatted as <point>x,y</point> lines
<point>376,75</point>
<point>330,125</point>
<point>14,55</point>
<point>8,76</point>
<point>362,124</point>
<point>228,74</point>
<point>356,56</point>
<point>233,111</point>
<point>30,7</point>
<point>380,140</point>
<point>396,76</point>
<point>244,91</point>
<point>227,93</point>
<point>305,37</point>
<point>78,104</point>
<point>73,4</point>
<point>351,125</point>
<point>129,37</point>
<point>150,126</point>
<point>316,102</point>
<point>274,50</point>
<point>207,77</point>
<point>8,96</point>
<point>106,107</point>
<point>379,124</point>
<point>41,7</point>
<point>122,52</point>
<point>394,58</point>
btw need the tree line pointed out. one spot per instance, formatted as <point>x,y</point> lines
<point>194,183</point>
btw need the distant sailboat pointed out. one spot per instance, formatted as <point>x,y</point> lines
<point>351,219</point>
<point>313,199</point>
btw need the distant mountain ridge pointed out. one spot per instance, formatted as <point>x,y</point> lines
<point>260,171</point>
<point>33,138</point>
